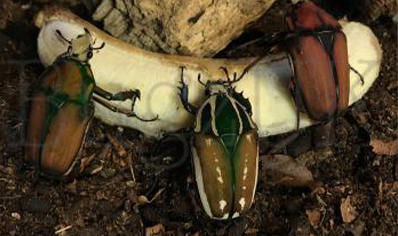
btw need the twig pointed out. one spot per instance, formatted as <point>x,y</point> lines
<point>60,231</point>
<point>131,168</point>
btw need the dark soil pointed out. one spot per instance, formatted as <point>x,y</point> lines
<point>108,196</point>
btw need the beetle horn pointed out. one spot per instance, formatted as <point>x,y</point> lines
<point>62,36</point>
<point>87,31</point>
<point>100,47</point>
<point>226,73</point>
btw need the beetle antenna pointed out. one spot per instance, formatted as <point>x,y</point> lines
<point>62,37</point>
<point>100,47</point>
<point>240,77</point>
<point>200,81</point>
<point>87,31</point>
<point>226,73</point>
<point>359,74</point>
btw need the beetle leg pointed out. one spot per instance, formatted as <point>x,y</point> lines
<point>251,65</point>
<point>120,96</point>
<point>129,113</point>
<point>298,119</point>
<point>62,36</point>
<point>359,74</point>
<point>184,95</point>
<point>256,61</point>
<point>225,70</point>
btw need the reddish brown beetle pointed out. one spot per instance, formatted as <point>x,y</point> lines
<point>317,51</point>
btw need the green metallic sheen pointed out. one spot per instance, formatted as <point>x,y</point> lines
<point>57,99</point>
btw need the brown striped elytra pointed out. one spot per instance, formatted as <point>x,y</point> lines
<point>225,149</point>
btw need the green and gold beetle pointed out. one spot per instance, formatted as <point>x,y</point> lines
<point>225,149</point>
<point>62,108</point>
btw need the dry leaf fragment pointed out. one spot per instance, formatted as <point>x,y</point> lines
<point>96,170</point>
<point>100,195</point>
<point>155,230</point>
<point>348,212</point>
<point>121,151</point>
<point>85,162</point>
<point>384,148</point>
<point>283,170</point>
<point>143,200</point>
<point>314,217</point>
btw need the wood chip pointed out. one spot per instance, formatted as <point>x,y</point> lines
<point>156,230</point>
<point>314,217</point>
<point>86,162</point>
<point>143,200</point>
<point>384,148</point>
<point>121,151</point>
<point>96,170</point>
<point>62,230</point>
<point>348,212</point>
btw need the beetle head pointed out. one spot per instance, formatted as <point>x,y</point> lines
<point>221,86</point>
<point>217,87</point>
<point>306,16</point>
<point>81,48</point>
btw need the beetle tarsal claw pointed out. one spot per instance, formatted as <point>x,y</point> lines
<point>133,114</point>
<point>136,93</point>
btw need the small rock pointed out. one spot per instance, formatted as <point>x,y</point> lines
<point>283,170</point>
<point>16,216</point>
<point>348,212</point>
<point>142,200</point>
